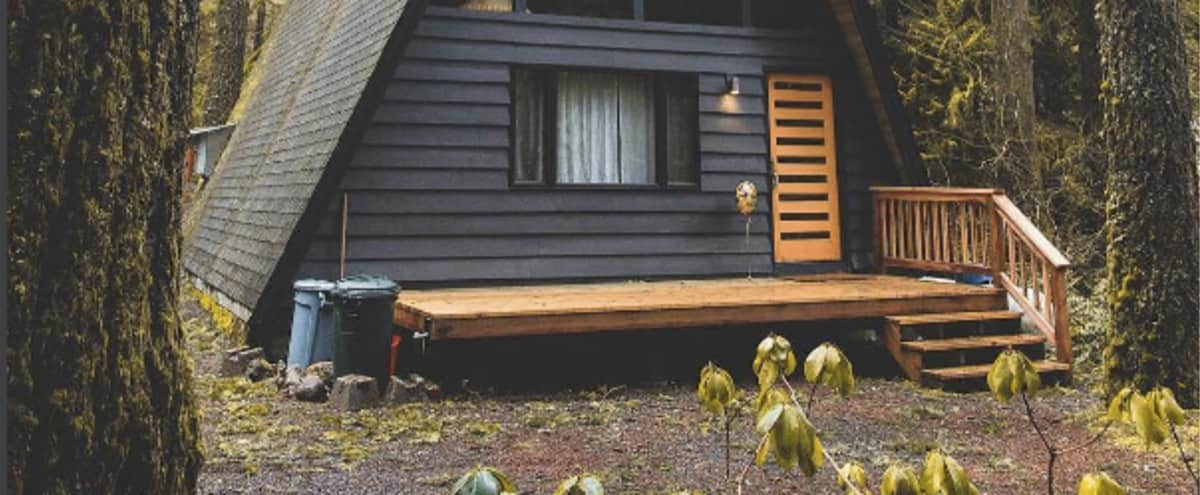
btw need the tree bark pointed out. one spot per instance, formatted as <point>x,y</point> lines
<point>99,387</point>
<point>1152,212</point>
<point>1012,78</point>
<point>1089,63</point>
<point>227,66</point>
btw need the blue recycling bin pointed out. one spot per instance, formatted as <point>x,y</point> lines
<point>312,323</point>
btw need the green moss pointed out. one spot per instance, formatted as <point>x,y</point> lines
<point>99,386</point>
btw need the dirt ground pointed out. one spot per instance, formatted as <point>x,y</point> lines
<point>644,435</point>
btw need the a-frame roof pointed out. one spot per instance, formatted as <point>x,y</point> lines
<point>325,71</point>
<point>314,78</point>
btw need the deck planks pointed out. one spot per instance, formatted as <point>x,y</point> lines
<point>578,308</point>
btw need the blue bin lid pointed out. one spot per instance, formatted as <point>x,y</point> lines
<point>366,287</point>
<point>314,285</point>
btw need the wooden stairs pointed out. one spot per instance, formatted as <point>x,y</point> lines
<point>956,350</point>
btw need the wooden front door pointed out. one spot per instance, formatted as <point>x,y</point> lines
<point>804,190</point>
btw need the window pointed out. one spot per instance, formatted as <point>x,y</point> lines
<point>715,12</point>
<point>603,128</point>
<point>481,5</point>
<point>780,14</point>
<point>612,9</point>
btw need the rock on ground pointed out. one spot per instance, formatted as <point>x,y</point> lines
<point>354,392</point>
<point>236,360</point>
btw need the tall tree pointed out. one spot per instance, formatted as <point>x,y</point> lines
<point>1012,82</point>
<point>1153,217</point>
<point>1089,63</point>
<point>225,70</point>
<point>99,387</point>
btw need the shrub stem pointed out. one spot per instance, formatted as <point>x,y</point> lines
<point>1187,461</point>
<point>1049,449</point>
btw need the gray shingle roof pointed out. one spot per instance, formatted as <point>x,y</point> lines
<point>312,80</point>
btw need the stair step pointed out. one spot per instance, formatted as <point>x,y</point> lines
<point>966,343</point>
<point>966,316</point>
<point>981,370</point>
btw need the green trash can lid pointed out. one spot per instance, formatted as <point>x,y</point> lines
<point>366,287</point>
<point>314,285</point>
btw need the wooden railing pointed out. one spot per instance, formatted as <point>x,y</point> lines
<point>979,231</point>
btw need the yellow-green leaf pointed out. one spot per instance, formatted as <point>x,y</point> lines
<point>767,420</point>
<point>584,484</point>
<point>899,480</point>
<point>483,481</point>
<point>855,475</point>
<point>1099,484</point>
<point>814,364</point>
<point>1118,407</point>
<point>715,390</point>
<point>764,449</point>
<point>1149,426</point>
<point>943,475</point>
<point>1169,408</point>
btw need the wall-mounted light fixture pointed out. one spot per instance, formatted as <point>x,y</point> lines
<point>733,85</point>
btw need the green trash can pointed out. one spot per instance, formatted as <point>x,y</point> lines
<point>362,315</point>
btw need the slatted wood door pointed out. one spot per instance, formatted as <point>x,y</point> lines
<point>804,163</point>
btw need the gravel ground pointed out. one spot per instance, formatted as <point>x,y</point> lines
<point>647,437</point>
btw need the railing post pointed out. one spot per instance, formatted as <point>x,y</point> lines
<point>997,240</point>
<point>879,219</point>
<point>1062,321</point>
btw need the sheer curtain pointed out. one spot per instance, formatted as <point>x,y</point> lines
<point>605,129</point>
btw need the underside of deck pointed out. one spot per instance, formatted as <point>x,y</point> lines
<point>613,306</point>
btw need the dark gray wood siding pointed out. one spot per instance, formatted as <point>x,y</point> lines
<point>428,188</point>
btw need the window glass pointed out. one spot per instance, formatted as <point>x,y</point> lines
<point>612,9</point>
<point>781,14</point>
<point>529,111</point>
<point>680,123</point>
<point>588,127</point>
<point>482,5</point>
<point>605,128</point>
<point>717,12</point>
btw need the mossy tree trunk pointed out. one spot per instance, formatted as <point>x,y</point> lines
<point>225,70</point>
<point>99,387</point>
<point>1089,63</point>
<point>1152,212</point>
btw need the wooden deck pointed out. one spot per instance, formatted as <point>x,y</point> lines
<point>596,307</point>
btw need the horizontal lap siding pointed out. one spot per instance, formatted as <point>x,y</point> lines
<point>428,187</point>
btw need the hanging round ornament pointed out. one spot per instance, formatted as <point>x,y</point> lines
<point>747,197</point>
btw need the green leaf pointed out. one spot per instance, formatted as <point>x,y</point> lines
<point>1118,407</point>
<point>483,481</point>
<point>767,420</point>
<point>814,364</point>
<point>899,480</point>
<point>959,480</point>
<point>773,351</point>
<point>1099,484</point>
<point>584,484</point>
<point>944,475</point>
<point>856,475</point>
<point>1168,408</point>
<point>1149,426</point>
<point>715,390</point>
<point>1031,381</point>
<point>933,476</point>
<point>764,449</point>
<point>827,365</point>
<point>787,435</point>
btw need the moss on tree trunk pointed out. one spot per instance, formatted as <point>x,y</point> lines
<point>99,387</point>
<point>1152,192</point>
<point>224,78</point>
